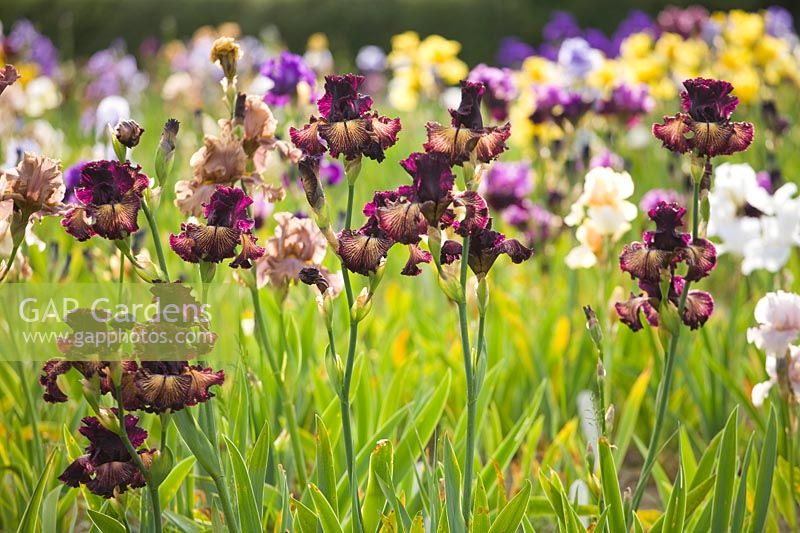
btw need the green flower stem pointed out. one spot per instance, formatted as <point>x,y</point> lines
<point>787,397</point>
<point>283,392</point>
<point>152,486</point>
<point>10,261</point>
<point>225,499</point>
<point>347,427</point>
<point>151,221</point>
<point>34,415</point>
<point>662,398</point>
<point>348,221</point>
<point>601,391</point>
<point>348,376</point>
<point>472,396</point>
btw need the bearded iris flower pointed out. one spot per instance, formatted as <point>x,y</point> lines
<point>704,127</point>
<point>466,134</point>
<point>106,468</point>
<point>287,72</point>
<point>347,124</point>
<point>666,247</point>
<point>558,105</point>
<point>485,246</point>
<point>697,309</point>
<point>362,251</point>
<point>227,226</point>
<point>501,89</point>
<point>659,255</point>
<point>110,196</point>
<point>172,385</point>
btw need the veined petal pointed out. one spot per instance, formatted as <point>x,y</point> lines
<point>402,221</point>
<point>675,133</point>
<point>116,221</point>
<point>630,312</point>
<point>308,138</point>
<point>698,308</point>
<point>476,214</point>
<point>351,137</point>
<point>249,252</point>
<point>741,138</point>
<point>492,143</point>
<point>162,392</point>
<point>642,262</point>
<point>111,476</point>
<point>385,129</point>
<point>701,257</point>
<point>456,143</point>
<point>78,224</point>
<point>78,471</point>
<point>201,380</point>
<point>361,253</point>
<point>416,255</point>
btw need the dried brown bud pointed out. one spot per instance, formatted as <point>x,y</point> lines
<point>312,276</point>
<point>309,176</point>
<point>128,133</point>
<point>227,53</point>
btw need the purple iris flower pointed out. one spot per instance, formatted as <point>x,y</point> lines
<point>286,71</point>
<point>331,171</point>
<point>26,41</point>
<point>578,58</point>
<point>635,22</point>
<point>507,184</point>
<point>513,51</point>
<point>778,22</point>
<point>72,177</point>
<point>628,102</point>
<point>501,89</point>
<point>562,25</point>
<point>653,197</point>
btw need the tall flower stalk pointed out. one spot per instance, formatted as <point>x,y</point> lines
<point>347,126</point>
<point>705,130</point>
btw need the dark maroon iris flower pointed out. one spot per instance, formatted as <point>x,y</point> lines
<point>227,227</point>
<point>697,309</point>
<point>362,251</point>
<point>173,385</point>
<point>110,196</point>
<point>666,247</point>
<point>466,134</point>
<point>347,124</point>
<point>658,255</point>
<point>704,126</point>
<point>107,468</point>
<point>485,246</point>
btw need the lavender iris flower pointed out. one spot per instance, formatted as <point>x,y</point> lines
<point>778,22</point>
<point>26,41</point>
<point>513,51</point>
<point>578,58</point>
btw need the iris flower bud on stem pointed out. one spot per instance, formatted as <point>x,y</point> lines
<point>450,283</point>
<point>128,133</point>
<point>226,53</point>
<point>108,419</point>
<point>119,149</point>
<point>147,272</point>
<point>165,152</point>
<point>482,294</point>
<point>595,331</point>
<point>352,169</point>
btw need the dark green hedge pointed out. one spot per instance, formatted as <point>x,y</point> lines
<point>83,26</point>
